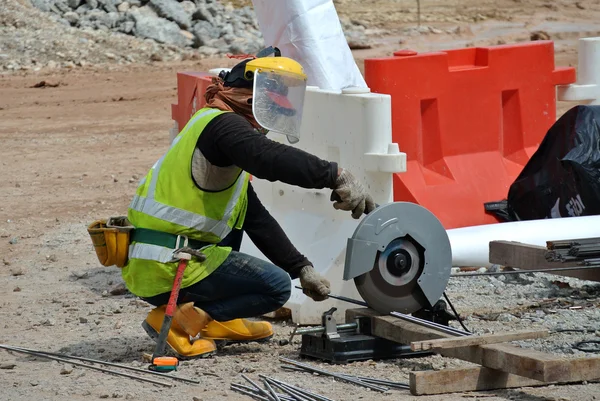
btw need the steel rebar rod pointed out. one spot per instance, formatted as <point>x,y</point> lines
<point>342,298</point>
<point>363,378</point>
<point>268,386</point>
<point>432,325</point>
<point>381,382</point>
<point>86,366</point>
<point>302,390</point>
<point>298,396</point>
<point>256,386</point>
<point>554,269</point>
<point>324,372</point>
<point>253,390</point>
<point>110,364</point>
<point>249,393</point>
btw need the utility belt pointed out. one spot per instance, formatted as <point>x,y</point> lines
<point>111,239</point>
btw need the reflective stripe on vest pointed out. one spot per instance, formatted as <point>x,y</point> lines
<point>151,252</point>
<point>150,206</point>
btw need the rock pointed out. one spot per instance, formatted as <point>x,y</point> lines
<point>539,35</point>
<point>129,396</point>
<point>104,396</point>
<point>109,5</point>
<point>119,324</point>
<point>16,271</point>
<point>13,240</point>
<point>208,51</point>
<point>80,275</point>
<point>51,258</point>
<point>123,7</point>
<point>173,11</point>
<point>43,5</point>
<point>118,289</point>
<point>49,322</point>
<point>74,3</point>
<point>92,4</point>
<point>202,14</point>
<point>7,366</point>
<point>72,17</point>
<point>6,262</point>
<point>188,6</point>
<point>17,289</point>
<point>205,33</point>
<point>82,9</point>
<point>66,370</point>
<point>126,27</point>
<point>197,399</point>
<point>62,6</point>
<point>505,317</point>
<point>157,29</point>
<point>83,320</point>
<point>34,383</point>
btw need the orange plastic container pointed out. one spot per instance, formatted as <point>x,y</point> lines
<point>468,120</point>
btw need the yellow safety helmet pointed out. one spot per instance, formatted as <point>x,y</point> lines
<point>279,86</point>
<point>277,65</point>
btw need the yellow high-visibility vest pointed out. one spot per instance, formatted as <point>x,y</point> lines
<point>167,199</point>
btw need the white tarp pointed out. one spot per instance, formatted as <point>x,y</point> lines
<point>310,32</point>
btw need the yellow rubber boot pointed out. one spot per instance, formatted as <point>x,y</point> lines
<point>177,339</point>
<point>191,319</point>
<point>238,330</point>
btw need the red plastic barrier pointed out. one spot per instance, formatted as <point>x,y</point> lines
<point>191,87</point>
<point>468,120</point>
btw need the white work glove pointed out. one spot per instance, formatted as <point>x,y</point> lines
<point>313,284</point>
<point>350,194</point>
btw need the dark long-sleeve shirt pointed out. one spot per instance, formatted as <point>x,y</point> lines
<point>229,139</point>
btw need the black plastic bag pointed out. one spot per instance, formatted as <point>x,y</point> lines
<point>562,178</point>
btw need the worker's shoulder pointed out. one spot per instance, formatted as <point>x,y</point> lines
<point>228,125</point>
<point>230,118</point>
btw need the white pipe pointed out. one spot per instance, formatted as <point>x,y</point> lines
<point>470,245</point>
<point>588,74</point>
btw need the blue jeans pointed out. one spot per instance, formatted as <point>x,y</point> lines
<point>243,286</point>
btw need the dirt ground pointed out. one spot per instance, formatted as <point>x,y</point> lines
<point>74,152</point>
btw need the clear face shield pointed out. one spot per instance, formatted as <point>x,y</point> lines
<point>277,102</point>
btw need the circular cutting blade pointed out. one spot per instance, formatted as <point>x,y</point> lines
<point>413,261</point>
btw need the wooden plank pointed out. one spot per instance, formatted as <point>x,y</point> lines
<point>472,379</point>
<point>455,342</point>
<point>507,358</point>
<point>530,257</point>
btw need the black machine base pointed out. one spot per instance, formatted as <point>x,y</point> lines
<point>361,345</point>
<point>351,347</point>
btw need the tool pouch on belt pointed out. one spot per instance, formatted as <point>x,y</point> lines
<point>111,240</point>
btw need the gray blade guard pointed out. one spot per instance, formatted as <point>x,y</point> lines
<point>396,220</point>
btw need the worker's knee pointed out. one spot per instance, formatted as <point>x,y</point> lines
<point>281,288</point>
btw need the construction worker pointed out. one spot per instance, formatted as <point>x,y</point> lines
<point>198,194</point>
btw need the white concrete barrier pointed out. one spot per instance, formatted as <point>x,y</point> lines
<point>587,87</point>
<point>354,129</point>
